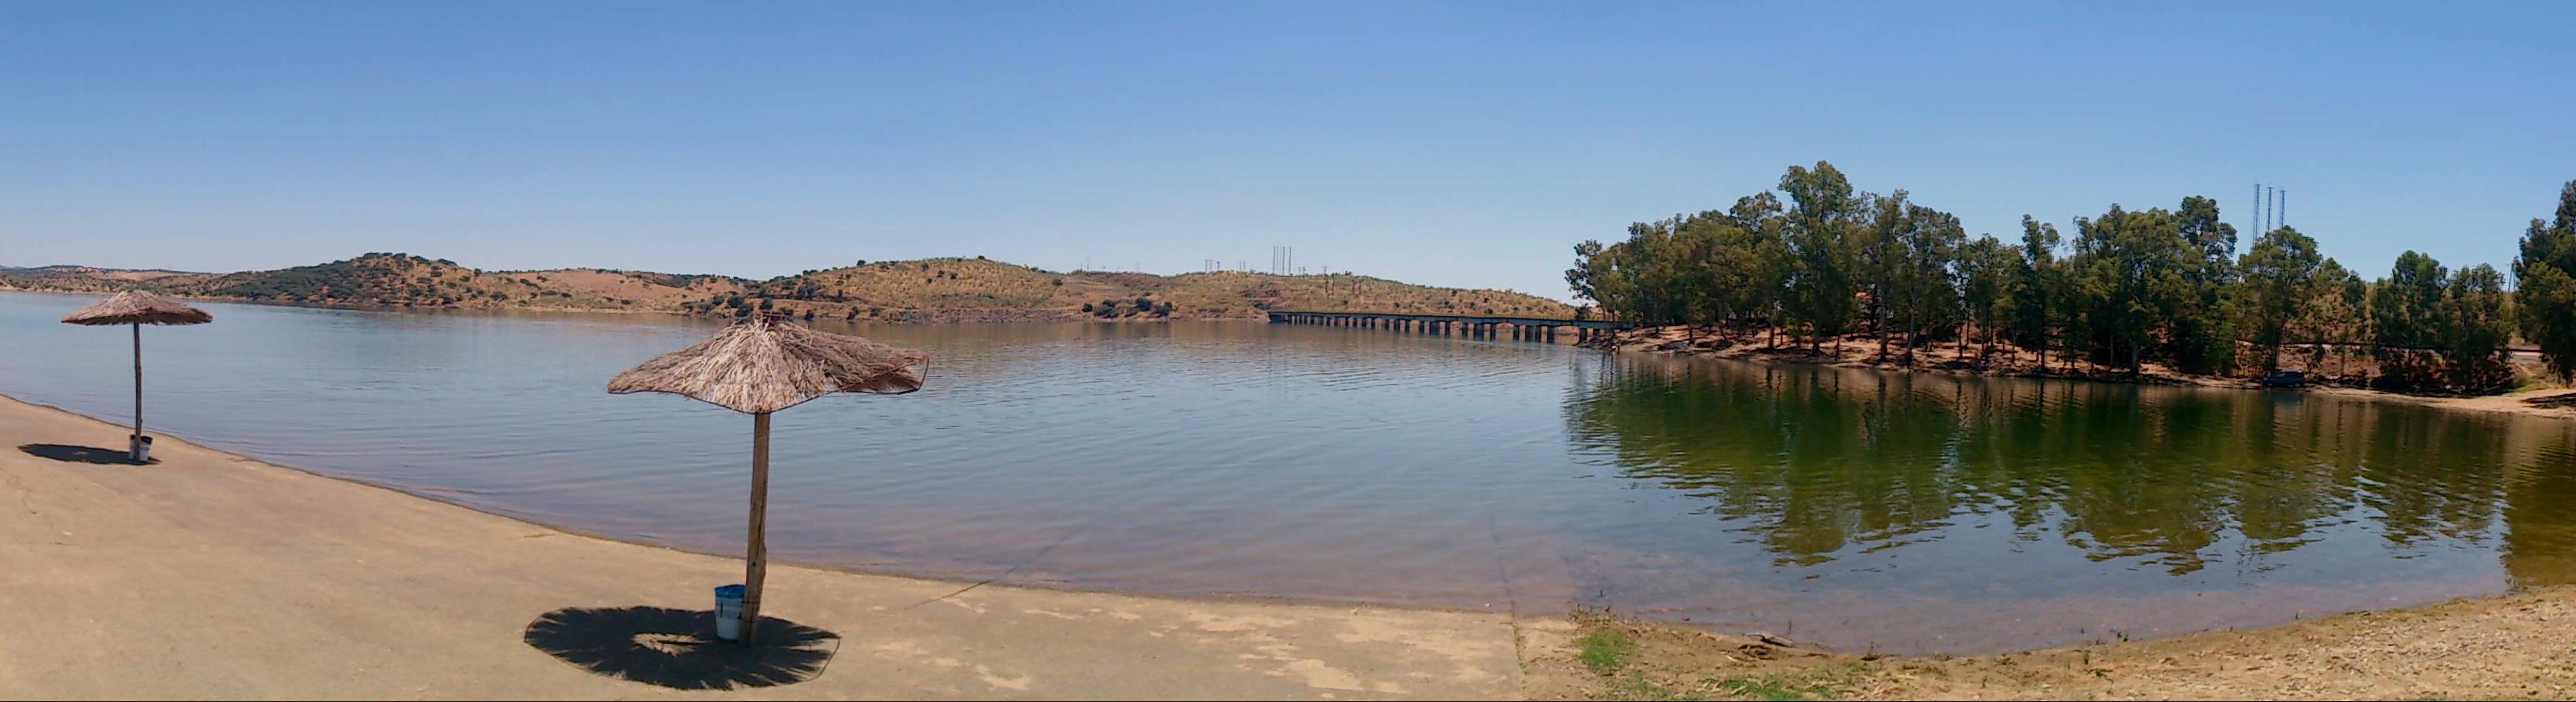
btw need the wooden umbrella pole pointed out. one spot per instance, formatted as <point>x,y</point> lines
<point>138,381</point>
<point>757,567</point>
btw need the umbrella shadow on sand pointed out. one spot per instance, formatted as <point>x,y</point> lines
<point>678,648</point>
<point>81,454</point>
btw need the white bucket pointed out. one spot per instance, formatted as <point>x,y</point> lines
<point>729,612</point>
<point>140,447</point>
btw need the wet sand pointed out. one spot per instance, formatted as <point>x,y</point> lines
<point>207,575</point>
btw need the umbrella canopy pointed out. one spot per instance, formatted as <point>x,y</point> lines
<point>137,307</point>
<point>766,364</point>
<point>760,366</point>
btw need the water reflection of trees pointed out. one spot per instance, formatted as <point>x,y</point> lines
<point>1818,462</point>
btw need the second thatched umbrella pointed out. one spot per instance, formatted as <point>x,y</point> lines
<point>764,365</point>
<point>137,308</point>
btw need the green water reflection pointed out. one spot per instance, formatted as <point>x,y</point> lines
<point>1817,464</point>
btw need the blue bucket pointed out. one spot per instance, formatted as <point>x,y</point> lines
<point>729,612</point>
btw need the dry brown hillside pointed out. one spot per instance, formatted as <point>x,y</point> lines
<point>638,289</point>
<point>413,281</point>
<point>88,279</point>
<point>976,289</point>
<point>926,290</point>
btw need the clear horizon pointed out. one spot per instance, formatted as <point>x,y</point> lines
<point>1452,146</point>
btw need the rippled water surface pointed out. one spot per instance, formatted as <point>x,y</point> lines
<point>1856,509</point>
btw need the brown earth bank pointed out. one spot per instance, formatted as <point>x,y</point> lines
<point>2335,371</point>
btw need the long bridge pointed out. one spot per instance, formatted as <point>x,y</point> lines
<point>1459,325</point>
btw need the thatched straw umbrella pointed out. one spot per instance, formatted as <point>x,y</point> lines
<point>764,365</point>
<point>137,308</point>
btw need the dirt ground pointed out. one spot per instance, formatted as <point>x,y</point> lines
<point>2518,646</point>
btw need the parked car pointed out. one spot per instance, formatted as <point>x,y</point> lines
<point>2285,379</point>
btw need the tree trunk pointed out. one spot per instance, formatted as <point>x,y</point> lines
<point>1879,325</point>
<point>756,561</point>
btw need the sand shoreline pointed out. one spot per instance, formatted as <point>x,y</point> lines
<point>439,496</point>
<point>212,575</point>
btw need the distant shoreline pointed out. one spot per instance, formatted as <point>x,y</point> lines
<point>1859,352</point>
<point>950,315</point>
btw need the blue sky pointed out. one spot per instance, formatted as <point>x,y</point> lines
<point>1459,144</point>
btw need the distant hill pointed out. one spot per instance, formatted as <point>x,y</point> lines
<point>975,289</point>
<point>926,290</point>
<point>394,279</point>
<point>88,279</point>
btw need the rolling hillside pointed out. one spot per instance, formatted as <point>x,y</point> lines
<point>87,279</point>
<point>411,281</point>
<point>927,290</point>
<point>975,289</point>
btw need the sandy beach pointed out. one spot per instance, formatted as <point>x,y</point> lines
<point>208,575</point>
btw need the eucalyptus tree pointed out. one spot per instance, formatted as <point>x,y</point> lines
<point>2281,278</point>
<point>1878,261</point>
<point>2202,329</point>
<point>2475,325</point>
<point>1986,270</point>
<point>1818,231</point>
<point>1767,261</point>
<point>1925,293</point>
<point>2127,278</point>
<point>2405,319</point>
<point>2545,277</point>
<point>2334,317</point>
<point>2038,289</point>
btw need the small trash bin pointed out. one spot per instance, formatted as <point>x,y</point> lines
<point>140,447</point>
<point>729,612</point>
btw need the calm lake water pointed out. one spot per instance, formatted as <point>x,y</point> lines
<point>1849,508</point>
